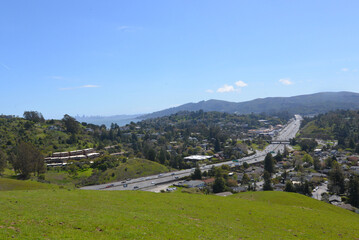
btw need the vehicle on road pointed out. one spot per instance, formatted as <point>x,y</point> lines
<point>125,185</point>
<point>111,185</point>
<point>153,183</point>
<point>135,187</point>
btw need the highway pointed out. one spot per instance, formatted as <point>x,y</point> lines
<point>144,183</point>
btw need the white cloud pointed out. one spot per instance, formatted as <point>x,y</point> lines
<point>209,91</point>
<point>84,86</point>
<point>344,69</point>
<point>286,81</point>
<point>5,66</point>
<point>89,86</point>
<point>125,28</point>
<point>226,88</point>
<point>57,77</point>
<point>241,84</point>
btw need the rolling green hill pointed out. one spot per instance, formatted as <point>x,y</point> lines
<point>7,184</point>
<point>341,125</point>
<point>48,137</point>
<point>132,168</point>
<point>79,214</point>
<point>303,104</point>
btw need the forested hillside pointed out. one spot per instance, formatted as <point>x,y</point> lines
<point>342,125</point>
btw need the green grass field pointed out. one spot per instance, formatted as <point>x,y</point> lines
<point>132,168</point>
<point>7,184</point>
<point>80,214</point>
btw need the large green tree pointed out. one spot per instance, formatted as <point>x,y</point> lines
<point>27,159</point>
<point>2,161</point>
<point>197,174</point>
<point>353,191</point>
<point>34,116</point>
<point>308,145</point>
<point>219,185</point>
<point>269,163</point>
<point>336,177</point>
<point>72,126</point>
<point>267,186</point>
<point>289,187</point>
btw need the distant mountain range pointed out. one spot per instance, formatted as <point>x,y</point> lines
<point>303,104</point>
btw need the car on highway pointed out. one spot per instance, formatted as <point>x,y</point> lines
<point>153,183</point>
<point>125,185</point>
<point>111,185</point>
<point>173,173</point>
<point>135,187</point>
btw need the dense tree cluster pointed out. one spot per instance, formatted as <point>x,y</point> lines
<point>341,125</point>
<point>26,159</point>
<point>34,116</point>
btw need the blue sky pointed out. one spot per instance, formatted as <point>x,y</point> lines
<point>127,57</point>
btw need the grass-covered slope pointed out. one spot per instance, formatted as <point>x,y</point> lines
<point>7,184</point>
<point>42,136</point>
<point>132,168</point>
<point>80,214</point>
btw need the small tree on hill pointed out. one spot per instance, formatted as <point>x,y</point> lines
<point>317,164</point>
<point>162,156</point>
<point>245,179</point>
<point>285,152</point>
<point>2,161</point>
<point>267,182</point>
<point>336,177</point>
<point>353,191</point>
<point>269,163</point>
<point>197,175</point>
<point>245,165</point>
<point>219,185</point>
<point>279,157</point>
<point>217,145</point>
<point>289,187</point>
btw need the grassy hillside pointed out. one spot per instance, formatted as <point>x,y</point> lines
<point>46,139</point>
<point>7,184</point>
<point>132,168</point>
<point>341,125</point>
<point>311,130</point>
<point>79,214</point>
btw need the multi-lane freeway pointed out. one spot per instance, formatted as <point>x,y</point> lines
<point>288,132</point>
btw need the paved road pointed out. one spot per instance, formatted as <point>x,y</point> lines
<point>321,189</point>
<point>289,131</point>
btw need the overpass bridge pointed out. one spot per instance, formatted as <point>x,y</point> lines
<point>280,142</point>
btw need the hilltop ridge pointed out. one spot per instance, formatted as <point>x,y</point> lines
<point>302,104</point>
